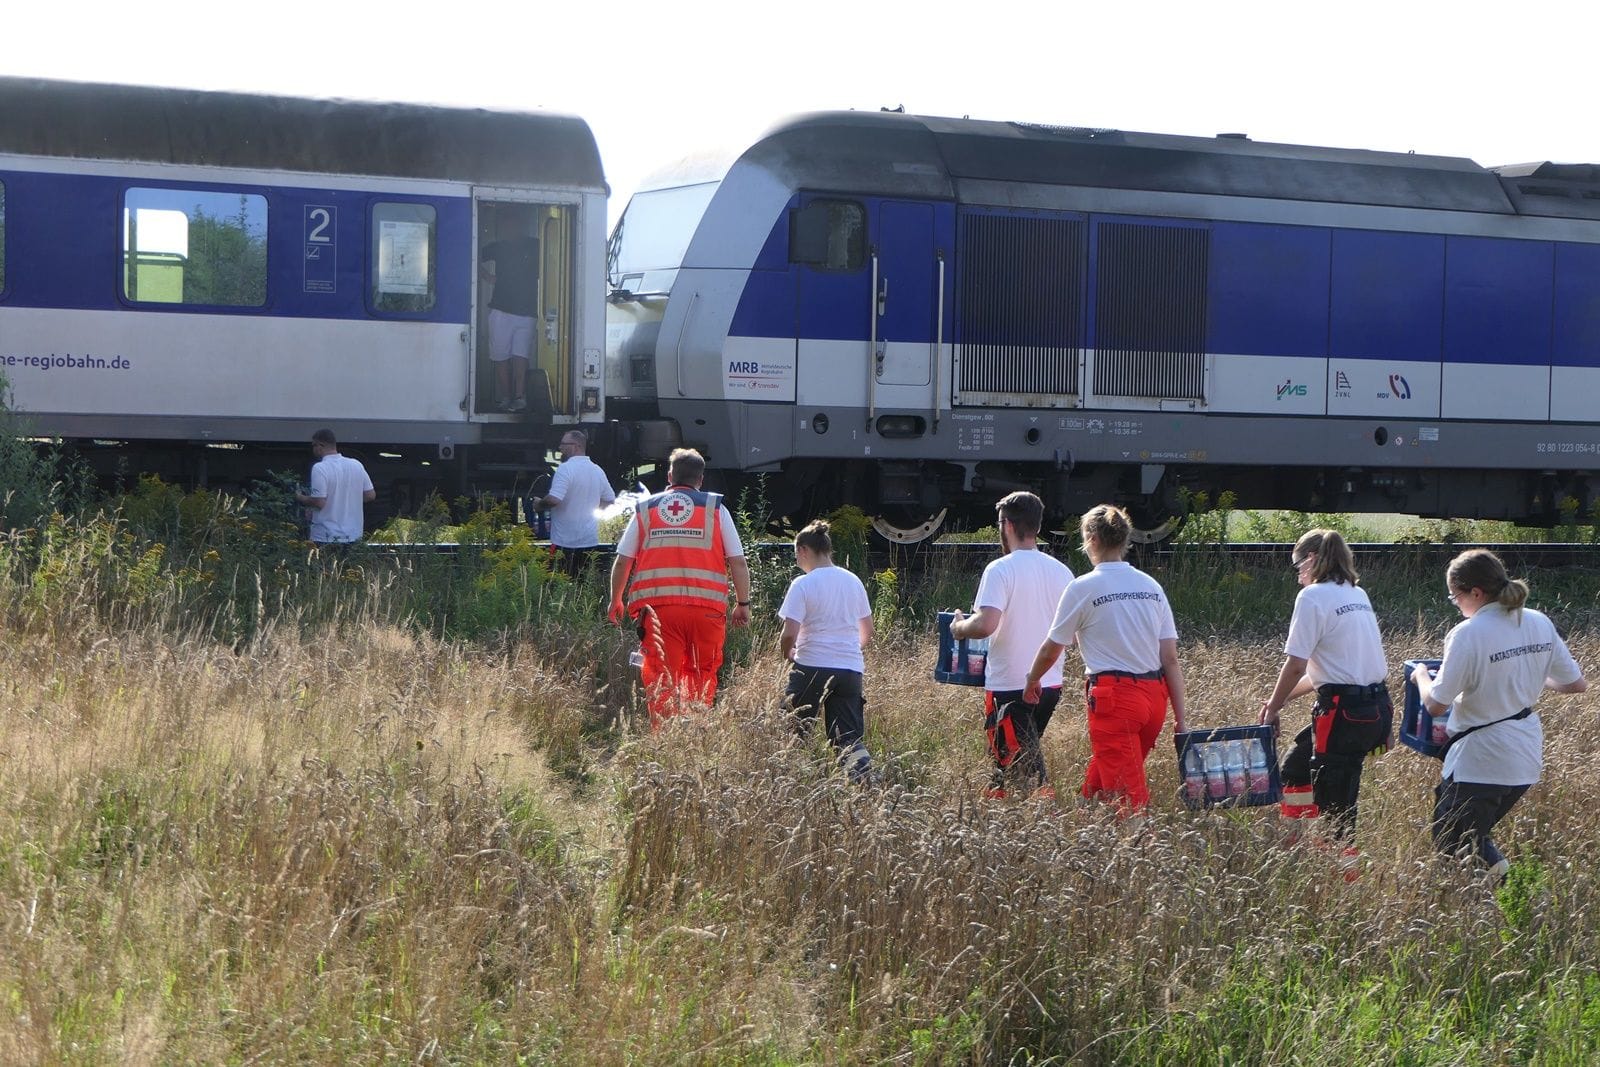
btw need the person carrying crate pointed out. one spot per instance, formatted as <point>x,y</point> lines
<point>1016,600</point>
<point>1333,648</point>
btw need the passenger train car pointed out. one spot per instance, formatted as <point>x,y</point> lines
<point>918,315</point>
<point>193,282</point>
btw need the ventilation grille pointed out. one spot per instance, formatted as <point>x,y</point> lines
<point>1150,311</point>
<point>1021,304</point>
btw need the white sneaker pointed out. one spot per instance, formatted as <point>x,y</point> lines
<point>1499,870</point>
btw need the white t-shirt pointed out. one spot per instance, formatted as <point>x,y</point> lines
<point>628,543</point>
<point>1118,616</point>
<point>340,481</point>
<point>1024,585</point>
<point>582,488</point>
<point>828,604</point>
<point>1493,668</point>
<point>1334,630</point>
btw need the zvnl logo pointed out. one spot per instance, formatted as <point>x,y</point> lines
<point>1288,388</point>
<point>1399,388</point>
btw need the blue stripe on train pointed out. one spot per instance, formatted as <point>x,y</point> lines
<point>63,247</point>
<point>1289,290</point>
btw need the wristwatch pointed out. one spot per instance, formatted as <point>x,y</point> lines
<point>741,604</point>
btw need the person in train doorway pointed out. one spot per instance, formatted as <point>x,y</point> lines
<point>513,309</point>
<point>1016,602</point>
<point>577,492</point>
<point>671,576</point>
<point>1334,649</point>
<point>340,486</point>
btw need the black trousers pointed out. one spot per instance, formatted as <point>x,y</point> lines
<point>1016,730</point>
<point>838,693</point>
<point>573,562</point>
<point>1465,812</point>
<point>1328,754</point>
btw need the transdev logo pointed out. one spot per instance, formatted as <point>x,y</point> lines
<point>1288,388</point>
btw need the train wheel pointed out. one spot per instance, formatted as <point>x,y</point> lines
<point>899,529</point>
<point>1152,529</point>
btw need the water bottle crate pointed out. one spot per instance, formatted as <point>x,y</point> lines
<point>961,661</point>
<point>1223,773</point>
<point>1419,730</point>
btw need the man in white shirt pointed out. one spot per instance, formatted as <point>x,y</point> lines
<point>1016,602</point>
<point>339,488</point>
<point>577,492</point>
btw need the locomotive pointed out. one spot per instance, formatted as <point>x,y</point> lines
<point>191,283</point>
<point>917,315</point>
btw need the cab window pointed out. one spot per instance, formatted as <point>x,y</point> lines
<point>829,235</point>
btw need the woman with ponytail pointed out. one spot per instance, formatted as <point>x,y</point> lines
<point>1496,663</point>
<point>1333,649</point>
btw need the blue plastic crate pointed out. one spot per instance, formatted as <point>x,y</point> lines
<point>1418,729</point>
<point>1218,790</point>
<point>960,662</point>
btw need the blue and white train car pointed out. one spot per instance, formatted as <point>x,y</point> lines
<point>921,314</point>
<point>203,279</point>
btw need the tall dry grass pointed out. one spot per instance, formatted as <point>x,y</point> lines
<point>348,842</point>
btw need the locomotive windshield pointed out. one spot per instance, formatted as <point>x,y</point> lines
<point>654,232</point>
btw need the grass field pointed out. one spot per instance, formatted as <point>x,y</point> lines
<point>363,814</point>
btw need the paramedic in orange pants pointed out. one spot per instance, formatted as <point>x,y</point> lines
<point>1121,622</point>
<point>671,576</point>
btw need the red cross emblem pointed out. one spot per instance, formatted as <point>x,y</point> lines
<point>675,509</point>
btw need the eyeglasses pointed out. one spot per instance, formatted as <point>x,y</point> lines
<point>1452,596</point>
<point>1296,564</point>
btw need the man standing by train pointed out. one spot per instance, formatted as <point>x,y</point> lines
<point>1016,603</point>
<point>576,494</point>
<point>681,548</point>
<point>339,487</point>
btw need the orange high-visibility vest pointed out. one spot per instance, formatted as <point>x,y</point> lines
<point>682,559</point>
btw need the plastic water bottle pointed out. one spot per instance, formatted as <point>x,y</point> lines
<point>1441,728</point>
<point>1216,781</point>
<point>977,655</point>
<point>1194,774</point>
<point>1260,774</point>
<point>636,659</point>
<point>1234,763</point>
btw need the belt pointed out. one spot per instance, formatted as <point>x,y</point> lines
<point>1147,676</point>
<point>1353,692</point>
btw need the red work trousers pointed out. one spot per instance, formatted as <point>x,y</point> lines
<point>682,646</point>
<point>1125,718</point>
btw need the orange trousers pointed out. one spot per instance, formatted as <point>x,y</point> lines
<point>682,646</point>
<point>1125,718</point>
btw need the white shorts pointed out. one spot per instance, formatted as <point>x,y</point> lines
<point>509,335</point>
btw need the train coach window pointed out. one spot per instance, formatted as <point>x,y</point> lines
<point>404,246</point>
<point>829,235</point>
<point>194,246</point>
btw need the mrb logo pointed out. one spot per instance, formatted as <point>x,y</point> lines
<point>744,367</point>
<point>1288,388</point>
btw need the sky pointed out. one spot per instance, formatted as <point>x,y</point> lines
<point>659,81</point>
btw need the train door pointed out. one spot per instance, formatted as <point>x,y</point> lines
<point>523,324</point>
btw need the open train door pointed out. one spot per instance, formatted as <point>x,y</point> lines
<point>524,310</point>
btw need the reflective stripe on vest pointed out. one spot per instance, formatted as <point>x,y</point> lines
<point>682,559</point>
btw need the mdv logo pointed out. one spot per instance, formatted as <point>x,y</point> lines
<point>1288,388</point>
<point>1399,388</point>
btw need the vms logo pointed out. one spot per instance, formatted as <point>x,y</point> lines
<point>1399,388</point>
<point>1288,388</point>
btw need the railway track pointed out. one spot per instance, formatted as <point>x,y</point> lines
<point>1518,555</point>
